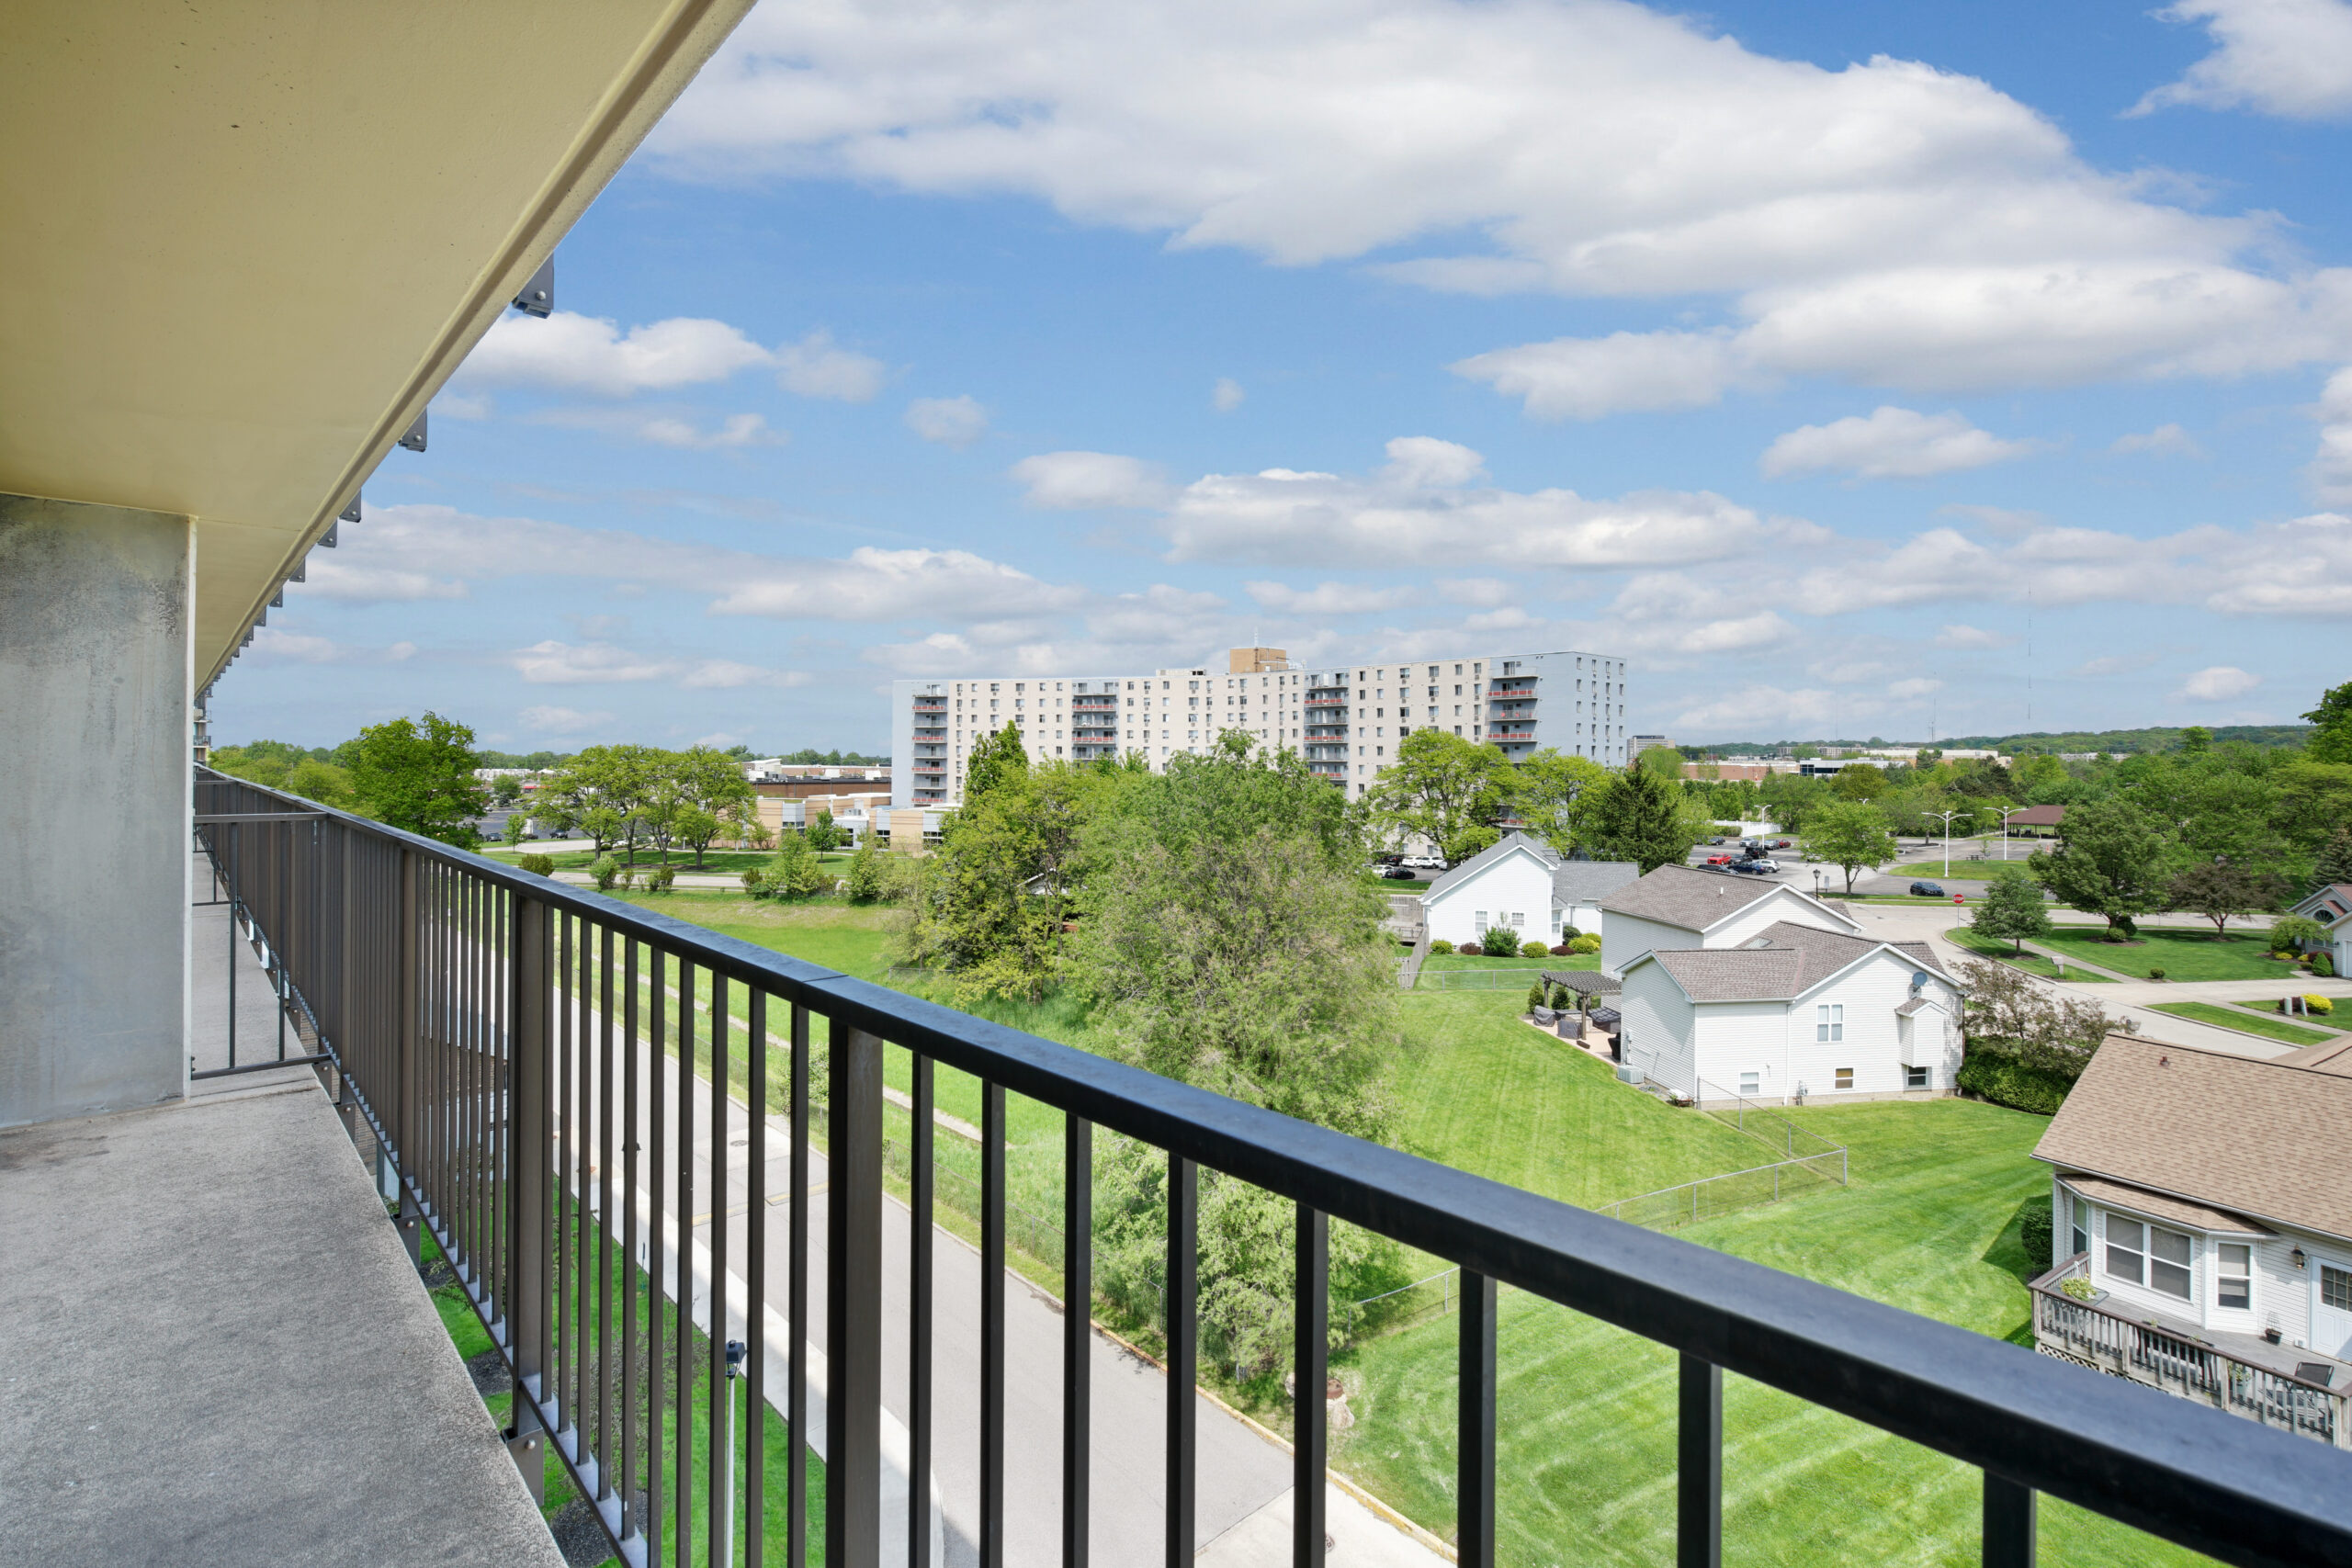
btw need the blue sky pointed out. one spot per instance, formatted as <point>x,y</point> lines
<point>1815,358</point>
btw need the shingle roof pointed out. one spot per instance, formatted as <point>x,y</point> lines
<point>2038,816</point>
<point>1573,880</point>
<point>2258,1137</point>
<point>1914,1005</point>
<point>1485,858</point>
<point>1693,899</point>
<point>2332,1056</point>
<point>2156,1205</point>
<point>1732,973</point>
<point>2327,904</point>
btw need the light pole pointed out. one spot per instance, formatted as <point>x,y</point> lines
<point>1947,816</point>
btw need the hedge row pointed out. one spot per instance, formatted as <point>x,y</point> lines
<point>2005,1081</point>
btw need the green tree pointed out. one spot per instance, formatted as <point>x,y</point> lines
<point>1860,780</point>
<point>1554,792</point>
<point>2290,932</point>
<point>792,870</point>
<point>2012,909</point>
<point>517,824</point>
<point>506,789</point>
<point>1444,789</point>
<point>696,828</point>
<point>419,775</point>
<point>1850,835</point>
<point>1663,760</point>
<point>320,781</point>
<point>2222,892</point>
<point>826,834</point>
<point>2113,860</point>
<point>865,872</point>
<point>603,825</point>
<point>994,759</point>
<point>2331,738</point>
<point>2335,862</point>
<point>2196,740</point>
<point>1639,816</point>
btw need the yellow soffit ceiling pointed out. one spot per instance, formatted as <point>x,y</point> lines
<point>247,240</point>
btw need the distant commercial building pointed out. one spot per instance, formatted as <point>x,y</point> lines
<point>1642,743</point>
<point>1344,718</point>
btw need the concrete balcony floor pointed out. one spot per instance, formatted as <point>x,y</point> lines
<point>213,1349</point>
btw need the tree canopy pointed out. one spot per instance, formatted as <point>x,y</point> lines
<point>1444,789</point>
<point>419,774</point>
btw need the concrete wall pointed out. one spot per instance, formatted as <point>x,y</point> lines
<point>94,654</point>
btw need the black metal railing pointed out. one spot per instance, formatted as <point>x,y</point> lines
<point>537,1060</point>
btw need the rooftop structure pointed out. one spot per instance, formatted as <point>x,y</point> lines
<point>1345,719</point>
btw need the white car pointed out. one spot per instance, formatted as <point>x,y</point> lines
<point>1765,865</point>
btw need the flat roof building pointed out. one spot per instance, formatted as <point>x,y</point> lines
<point>1345,718</point>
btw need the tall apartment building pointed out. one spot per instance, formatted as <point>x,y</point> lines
<point>1344,719</point>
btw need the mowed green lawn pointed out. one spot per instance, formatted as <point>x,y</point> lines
<point>2182,955</point>
<point>2269,1025</point>
<point>2003,952</point>
<point>1586,1461</point>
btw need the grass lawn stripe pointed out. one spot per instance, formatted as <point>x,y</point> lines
<point>2269,1026</point>
<point>2182,954</point>
<point>2001,952</point>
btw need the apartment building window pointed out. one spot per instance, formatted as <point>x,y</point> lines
<point>1845,1077</point>
<point>1830,1023</point>
<point>2234,1275</point>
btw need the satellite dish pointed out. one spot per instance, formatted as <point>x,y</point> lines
<point>1918,979</point>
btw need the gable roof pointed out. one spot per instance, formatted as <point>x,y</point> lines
<point>2329,1056</point>
<point>1695,900</point>
<point>2329,904</point>
<point>1782,963</point>
<point>2037,817</point>
<point>2156,1205</point>
<point>1573,880</point>
<point>2178,1121</point>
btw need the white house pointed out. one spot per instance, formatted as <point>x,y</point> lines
<point>1522,884</point>
<point>1793,1013</point>
<point>1676,906</point>
<point>2331,907</point>
<point>2199,1262</point>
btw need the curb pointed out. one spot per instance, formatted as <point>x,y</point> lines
<point>2250,1034</point>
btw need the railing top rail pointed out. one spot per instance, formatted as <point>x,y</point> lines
<point>2198,1476</point>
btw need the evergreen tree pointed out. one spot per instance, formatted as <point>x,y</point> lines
<point>2331,741</point>
<point>1637,816</point>
<point>2335,862</point>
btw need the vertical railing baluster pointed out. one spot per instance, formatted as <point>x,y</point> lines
<point>920,1194</point>
<point>1699,1471</point>
<point>564,1321</point>
<point>1310,1350</point>
<point>2009,1526</point>
<point>1077,1337</point>
<point>1475,1455</point>
<point>631,1136</point>
<point>528,1093</point>
<point>992,1218</point>
<point>659,1283</point>
<point>719,1454</point>
<point>408,1048</point>
<point>605,1157</point>
<point>795,1308</point>
<point>756,1274</point>
<point>853,1302</point>
<point>1182,1331</point>
<point>683,1416</point>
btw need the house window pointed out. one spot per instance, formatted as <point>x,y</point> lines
<point>2127,1249</point>
<point>1830,1023</point>
<point>1845,1077</point>
<point>2334,1289</point>
<point>2081,1212</point>
<point>1751,1085</point>
<point>1915,1078</point>
<point>1518,920</point>
<point>1480,919</point>
<point>2234,1275</point>
<point>2169,1255</point>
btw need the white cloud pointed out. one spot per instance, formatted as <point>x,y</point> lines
<point>463,405</point>
<point>951,422</point>
<point>571,352</point>
<point>2331,468</point>
<point>1081,480</point>
<point>2115,664</point>
<point>815,367</point>
<point>2165,440</point>
<point>1911,691</point>
<point>1752,706</point>
<point>1479,593</point>
<point>1227,395</point>
<point>1970,636</point>
<point>553,663</point>
<point>274,644</point>
<point>2292,58</point>
<point>725,675</point>
<point>1421,508</point>
<point>1885,222</point>
<point>738,430</point>
<point>564,721</point>
<point>1329,598</point>
<point>2218,684</point>
<point>1892,443</point>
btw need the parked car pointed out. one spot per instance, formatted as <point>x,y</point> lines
<point>1766,864</point>
<point>1927,890</point>
<point>1426,862</point>
<point>1715,840</point>
<point>1719,859</point>
<point>1748,867</point>
<point>1783,844</point>
<point>1400,873</point>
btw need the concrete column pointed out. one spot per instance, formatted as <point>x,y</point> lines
<point>94,677</point>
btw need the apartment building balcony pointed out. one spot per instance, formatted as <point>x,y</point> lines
<point>932,705</point>
<point>1506,731</point>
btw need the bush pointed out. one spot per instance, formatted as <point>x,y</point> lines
<point>1471,950</point>
<point>660,878</point>
<point>544,866</point>
<point>2034,1229</point>
<point>606,871</point>
<point>1563,951</point>
<point>1992,1074</point>
<point>2322,966</point>
<point>1533,950</point>
<point>2318,1005</point>
<point>1441,945</point>
<point>1569,934</point>
<point>2156,973</point>
<point>1584,944</point>
<point>1535,997</point>
<point>1500,941</point>
<point>755,882</point>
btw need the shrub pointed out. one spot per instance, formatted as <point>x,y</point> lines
<point>2034,1229</point>
<point>1441,945</point>
<point>605,870</point>
<point>1533,950</point>
<point>1471,950</point>
<point>2322,966</point>
<point>755,882</point>
<point>1563,951</point>
<point>2318,1005</point>
<point>1535,997</point>
<point>1584,944</point>
<point>1569,934</point>
<point>1500,941</point>
<point>543,865</point>
<point>2156,973</point>
<point>660,878</point>
<point>1994,1074</point>
<point>2077,1289</point>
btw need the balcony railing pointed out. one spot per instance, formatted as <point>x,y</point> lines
<point>538,1059</point>
<point>2180,1360</point>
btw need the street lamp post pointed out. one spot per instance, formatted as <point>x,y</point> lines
<point>1947,816</point>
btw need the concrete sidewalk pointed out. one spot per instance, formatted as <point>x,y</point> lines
<point>216,1351</point>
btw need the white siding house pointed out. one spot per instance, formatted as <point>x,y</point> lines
<point>1677,905</point>
<point>1793,1013</point>
<point>2332,908</point>
<point>1522,884</point>
<point>2191,1264</point>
